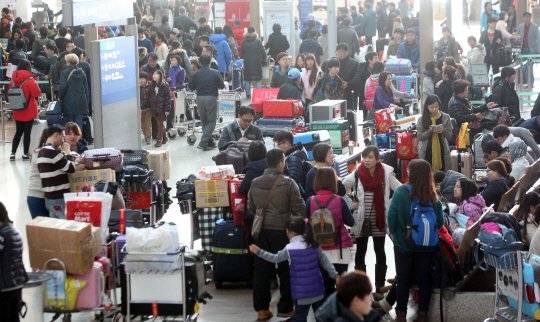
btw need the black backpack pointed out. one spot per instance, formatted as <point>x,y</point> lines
<point>444,272</point>
<point>185,191</point>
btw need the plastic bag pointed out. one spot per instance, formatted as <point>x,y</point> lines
<point>90,207</point>
<point>218,172</point>
<point>161,239</point>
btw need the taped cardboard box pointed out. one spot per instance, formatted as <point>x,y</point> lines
<point>160,162</point>
<point>212,193</point>
<point>96,241</point>
<point>69,241</point>
<point>90,177</point>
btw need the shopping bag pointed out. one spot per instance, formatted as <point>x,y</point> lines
<point>406,144</point>
<point>462,140</point>
<point>161,238</point>
<point>384,119</point>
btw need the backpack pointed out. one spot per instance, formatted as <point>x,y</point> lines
<point>421,232</point>
<point>17,101</point>
<point>324,228</point>
<point>370,94</point>
<point>234,153</point>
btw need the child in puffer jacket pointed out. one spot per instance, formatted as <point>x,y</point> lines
<point>471,204</point>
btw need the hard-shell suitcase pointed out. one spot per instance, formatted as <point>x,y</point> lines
<point>238,202</point>
<point>37,130</point>
<point>353,125</point>
<point>389,157</point>
<point>104,158</point>
<point>196,275</point>
<point>282,108</point>
<point>90,295</point>
<point>404,83</point>
<point>310,139</point>
<point>401,173</point>
<point>123,218</point>
<point>340,165</point>
<point>462,163</point>
<point>135,157</point>
<point>270,126</point>
<point>399,66</point>
<point>231,259</point>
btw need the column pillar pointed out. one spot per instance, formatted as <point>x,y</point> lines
<point>90,34</point>
<point>332,27</point>
<point>426,25</point>
<point>255,17</point>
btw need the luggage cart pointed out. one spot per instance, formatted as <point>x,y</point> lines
<point>414,90</point>
<point>238,76</point>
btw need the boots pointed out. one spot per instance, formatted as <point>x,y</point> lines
<point>421,317</point>
<point>401,317</point>
<point>380,277</point>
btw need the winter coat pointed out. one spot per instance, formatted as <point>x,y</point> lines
<point>254,56</point>
<point>382,18</point>
<point>475,56</point>
<point>238,32</point>
<point>533,38</point>
<point>311,46</point>
<point>186,63</point>
<point>463,111</point>
<point>186,22</point>
<point>31,92</point>
<point>206,81</point>
<point>161,102</point>
<point>452,49</point>
<point>37,47</point>
<point>308,89</point>
<point>505,96</point>
<point>382,99</point>
<point>326,88</point>
<point>148,69</point>
<point>349,71</point>
<point>413,56</point>
<point>445,93</point>
<point>146,43</point>
<point>310,180</point>
<point>16,55</point>
<point>179,77</point>
<point>232,133</point>
<point>161,50</point>
<point>12,272</point>
<point>484,19</point>
<point>393,48</point>
<point>349,36</point>
<point>11,44</point>
<point>390,21</point>
<point>368,24</point>
<point>74,94</point>
<point>290,90</point>
<point>277,43</point>
<point>424,136</point>
<point>333,310</point>
<point>285,202</point>
<point>252,170</point>
<point>491,47</point>
<point>473,208</point>
<point>448,184</point>
<point>294,164</point>
<point>5,26</point>
<point>390,183</point>
<point>428,88</point>
<point>221,43</point>
<point>494,191</point>
<point>278,78</point>
<point>233,46</point>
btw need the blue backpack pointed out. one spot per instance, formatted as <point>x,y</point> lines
<point>421,232</point>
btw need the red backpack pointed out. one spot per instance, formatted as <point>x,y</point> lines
<point>370,94</point>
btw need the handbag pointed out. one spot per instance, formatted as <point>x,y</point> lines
<point>260,213</point>
<point>505,117</point>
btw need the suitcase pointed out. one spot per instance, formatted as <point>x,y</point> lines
<point>310,139</point>
<point>107,271</point>
<point>105,158</point>
<point>270,126</point>
<point>137,200</point>
<point>123,218</point>
<point>135,157</point>
<point>391,140</point>
<point>196,275</point>
<point>404,84</point>
<point>37,130</point>
<point>231,259</point>
<point>282,108</point>
<point>399,66</point>
<point>340,165</point>
<point>401,171</point>
<point>389,157</point>
<point>158,200</point>
<point>121,241</point>
<point>381,141</point>
<point>238,74</point>
<point>353,126</point>
<point>462,163</point>
<point>262,94</point>
<point>90,295</point>
<point>54,114</point>
<point>238,202</point>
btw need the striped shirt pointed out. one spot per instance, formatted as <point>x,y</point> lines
<point>54,167</point>
<point>371,215</point>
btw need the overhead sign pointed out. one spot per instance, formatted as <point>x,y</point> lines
<point>117,70</point>
<point>96,11</point>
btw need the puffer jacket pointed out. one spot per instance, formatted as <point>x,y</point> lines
<point>369,23</point>
<point>463,111</point>
<point>31,91</point>
<point>286,201</point>
<point>334,311</point>
<point>252,170</point>
<point>425,136</point>
<point>290,90</point>
<point>254,55</point>
<point>224,58</point>
<point>74,94</point>
<point>473,208</point>
<point>161,102</point>
<point>238,32</point>
<point>494,191</point>
<point>452,49</point>
<point>12,272</point>
<point>505,96</point>
<point>294,164</point>
<point>186,63</point>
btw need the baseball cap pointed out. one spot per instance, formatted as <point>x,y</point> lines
<point>175,44</point>
<point>294,73</point>
<point>175,31</point>
<point>237,22</point>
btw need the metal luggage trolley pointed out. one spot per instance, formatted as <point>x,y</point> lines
<point>414,91</point>
<point>101,313</point>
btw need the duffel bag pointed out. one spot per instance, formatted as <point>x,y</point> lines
<point>235,153</point>
<point>105,158</point>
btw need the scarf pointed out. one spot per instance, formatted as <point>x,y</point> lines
<point>159,44</point>
<point>374,185</point>
<point>436,162</point>
<point>172,75</point>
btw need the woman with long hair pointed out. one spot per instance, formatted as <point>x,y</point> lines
<point>528,216</point>
<point>324,158</point>
<point>310,77</point>
<point>422,189</point>
<point>300,62</point>
<point>434,130</point>
<point>384,96</point>
<point>159,100</point>
<point>233,45</point>
<point>73,136</point>
<point>504,92</point>
<point>444,87</point>
<point>499,183</point>
<point>372,182</point>
<point>488,12</point>
<point>501,26</point>
<point>15,35</point>
<point>428,87</point>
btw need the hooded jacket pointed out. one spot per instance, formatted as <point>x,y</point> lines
<point>159,102</point>
<point>452,49</point>
<point>505,96</point>
<point>238,32</point>
<point>472,208</point>
<point>277,43</point>
<point>425,136</point>
<point>31,91</point>
<point>186,63</point>
<point>334,311</point>
<point>74,94</point>
<point>224,58</point>
<point>475,56</point>
<point>494,191</point>
<point>254,55</point>
<point>5,26</point>
<point>12,272</point>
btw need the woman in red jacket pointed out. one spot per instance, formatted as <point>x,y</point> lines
<point>24,119</point>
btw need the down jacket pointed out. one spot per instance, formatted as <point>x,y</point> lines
<point>294,164</point>
<point>12,272</point>
<point>224,58</point>
<point>74,94</point>
<point>463,111</point>
<point>161,102</point>
<point>31,91</point>
<point>254,56</point>
<point>506,96</point>
<point>472,208</point>
<point>425,135</point>
<point>238,32</point>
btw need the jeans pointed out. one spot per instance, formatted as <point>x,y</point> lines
<point>76,118</point>
<point>527,51</point>
<point>22,128</point>
<point>9,310</point>
<point>406,261</point>
<point>301,311</point>
<point>146,123</point>
<point>247,85</point>
<point>272,241</point>
<point>207,107</point>
<point>56,207</point>
<point>37,207</point>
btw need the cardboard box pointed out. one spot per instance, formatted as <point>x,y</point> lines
<point>69,241</point>
<point>212,193</point>
<point>339,134</point>
<point>96,240</point>
<point>160,162</point>
<point>91,177</point>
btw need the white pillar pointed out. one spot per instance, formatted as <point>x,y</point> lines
<point>332,27</point>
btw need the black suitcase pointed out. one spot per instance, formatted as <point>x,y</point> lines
<point>380,43</point>
<point>231,259</point>
<point>389,157</point>
<point>353,126</point>
<point>133,218</point>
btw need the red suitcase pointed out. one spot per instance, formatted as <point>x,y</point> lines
<point>282,108</point>
<point>401,172</point>
<point>262,94</point>
<point>406,144</point>
<point>238,202</point>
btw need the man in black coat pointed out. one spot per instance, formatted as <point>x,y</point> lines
<point>491,43</point>
<point>312,46</point>
<point>393,12</point>
<point>277,42</point>
<point>349,72</point>
<point>291,89</point>
<point>184,20</point>
<point>382,18</point>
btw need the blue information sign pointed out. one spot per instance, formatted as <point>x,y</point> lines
<point>305,7</point>
<point>117,70</point>
<point>95,11</point>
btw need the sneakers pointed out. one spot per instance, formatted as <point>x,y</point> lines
<point>264,315</point>
<point>148,141</point>
<point>286,315</point>
<point>26,157</point>
<point>12,157</point>
<point>210,147</point>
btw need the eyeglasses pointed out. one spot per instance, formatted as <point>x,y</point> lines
<point>278,144</point>
<point>247,121</point>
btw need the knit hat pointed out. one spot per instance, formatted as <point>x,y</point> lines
<point>237,22</point>
<point>175,44</point>
<point>251,29</point>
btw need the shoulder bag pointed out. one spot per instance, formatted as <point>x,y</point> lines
<point>261,213</point>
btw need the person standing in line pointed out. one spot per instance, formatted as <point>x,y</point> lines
<point>504,93</point>
<point>159,99</point>
<point>488,13</point>
<point>238,32</point>
<point>74,92</point>
<point>501,26</point>
<point>224,54</point>
<point>329,85</point>
<point>421,187</point>
<point>410,49</point>
<point>393,13</point>
<point>475,56</point>
<point>206,82</point>
<point>323,40</point>
<point>285,202</point>
<point>277,43</point>
<point>428,86</point>
<point>382,18</point>
<point>349,73</point>
<point>511,22</point>
<point>311,46</point>
<point>146,113</point>
<point>368,24</point>
<point>281,73</point>
<point>491,38</point>
<point>184,20</point>
<point>254,59</point>
<point>530,44</point>
<point>348,35</point>
<point>310,77</point>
